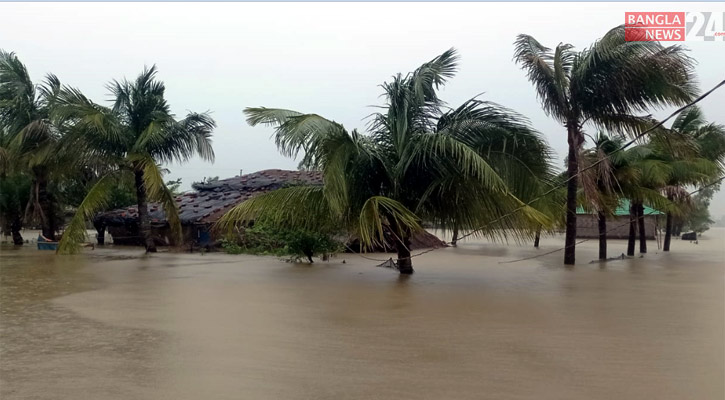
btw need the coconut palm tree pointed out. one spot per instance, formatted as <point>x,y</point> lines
<point>30,138</point>
<point>134,135</point>
<point>657,173</point>
<point>598,180</point>
<point>696,152</point>
<point>606,85</point>
<point>640,178</point>
<point>14,197</point>
<point>420,160</point>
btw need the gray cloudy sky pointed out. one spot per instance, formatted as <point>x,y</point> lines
<point>326,58</point>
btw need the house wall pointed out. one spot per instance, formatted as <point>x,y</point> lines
<point>617,227</point>
<point>128,235</point>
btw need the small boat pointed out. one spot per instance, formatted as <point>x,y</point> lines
<point>46,244</point>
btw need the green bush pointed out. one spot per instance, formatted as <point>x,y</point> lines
<point>230,247</point>
<point>273,240</point>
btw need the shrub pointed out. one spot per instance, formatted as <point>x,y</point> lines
<point>265,238</point>
<point>230,247</point>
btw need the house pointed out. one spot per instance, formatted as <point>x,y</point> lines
<point>618,225</point>
<point>200,209</point>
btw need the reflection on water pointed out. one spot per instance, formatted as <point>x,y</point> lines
<point>122,325</point>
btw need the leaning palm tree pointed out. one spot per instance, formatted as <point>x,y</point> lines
<point>606,85</point>
<point>134,136</point>
<point>30,138</point>
<point>696,152</point>
<point>655,173</point>
<point>420,160</point>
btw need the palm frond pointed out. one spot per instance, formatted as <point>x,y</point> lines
<point>378,213</point>
<point>96,199</point>
<point>436,150</point>
<point>430,76</point>
<point>630,77</point>
<point>296,207</point>
<point>537,60</point>
<point>157,191</point>
<point>268,116</point>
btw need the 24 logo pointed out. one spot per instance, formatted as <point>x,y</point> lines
<point>705,26</point>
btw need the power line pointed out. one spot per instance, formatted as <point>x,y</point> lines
<point>556,187</point>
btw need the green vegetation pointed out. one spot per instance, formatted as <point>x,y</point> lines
<point>133,136</point>
<point>31,138</point>
<point>698,219</point>
<point>657,172</point>
<point>77,153</point>
<point>458,168</point>
<point>606,85</point>
<point>14,197</point>
<point>265,238</point>
<point>477,169</point>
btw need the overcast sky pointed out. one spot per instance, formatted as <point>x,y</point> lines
<point>327,58</point>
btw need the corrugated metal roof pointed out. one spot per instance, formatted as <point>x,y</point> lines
<point>211,200</point>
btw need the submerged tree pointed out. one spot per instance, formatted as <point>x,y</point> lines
<point>31,140</point>
<point>14,197</point>
<point>599,182</point>
<point>606,85</point>
<point>136,134</point>
<point>458,168</point>
<point>656,173</point>
<point>705,153</point>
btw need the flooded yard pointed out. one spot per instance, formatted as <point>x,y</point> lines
<point>116,324</point>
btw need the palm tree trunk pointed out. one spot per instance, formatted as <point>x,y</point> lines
<point>405,264</point>
<point>668,232</point>
<point>571,189</point>
<point>101,232</point>
<point>144,221</point>
<point>537,237</point>
<point>455,234</point>
<point>602,222</point>
<point>45,203</point>
<point>632,229</point>
<point>15,227</point>
<point>642,233</point>
<point>402,247</point>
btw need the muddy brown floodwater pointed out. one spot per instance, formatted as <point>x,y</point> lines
<point>114,324</point>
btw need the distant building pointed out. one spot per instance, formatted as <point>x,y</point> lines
<point>618,225</point>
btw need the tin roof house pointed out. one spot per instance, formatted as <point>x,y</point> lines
<point>618,224</point>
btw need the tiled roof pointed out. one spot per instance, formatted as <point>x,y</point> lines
<point>211,200</point>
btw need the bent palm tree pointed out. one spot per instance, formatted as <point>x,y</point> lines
<point>605,84</point>
<point>454,167</point>
<point>696,152</point>
<point>136,134</point>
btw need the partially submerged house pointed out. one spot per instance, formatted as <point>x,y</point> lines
<point>618,225</point>
<point>200,209</point>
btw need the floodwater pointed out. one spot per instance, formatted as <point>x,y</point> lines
<point>114,324</point>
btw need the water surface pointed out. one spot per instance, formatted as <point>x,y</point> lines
<point>114,324</point>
